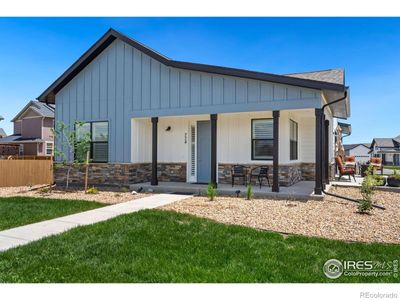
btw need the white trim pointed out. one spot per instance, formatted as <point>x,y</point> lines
<point>52,148</point>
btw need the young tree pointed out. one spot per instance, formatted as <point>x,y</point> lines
<point>367,191</point>
<point>72,145</point>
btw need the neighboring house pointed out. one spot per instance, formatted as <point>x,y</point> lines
<point>2,133</point>
<point>359,151</point>
<point>32,130</point>
<point>388,149</point>
<point>153,118</point>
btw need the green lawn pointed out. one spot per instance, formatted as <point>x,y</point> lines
<point>161,246</point>
<point>392,168</point>
<point>18,211</point>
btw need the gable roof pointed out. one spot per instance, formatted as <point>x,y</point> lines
<point>386,142</point>
<point>332,75</point>
<point>111,35</point>
<point>2,133</point>
<point>40,108</point>
<point>352,146</point>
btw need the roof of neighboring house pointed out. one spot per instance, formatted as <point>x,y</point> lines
<point>330,81</point>
<point>2,133</point>
<point>331,75</point>
<point>352,146</point>
<point>43,109</point>
<point>16,138</point>
<point>386,142</point>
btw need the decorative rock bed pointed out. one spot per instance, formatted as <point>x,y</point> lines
<point>331,218</point>
<point>108,196</point>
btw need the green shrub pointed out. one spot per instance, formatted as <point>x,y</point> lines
<point>45,190</point>
<point>211,192</point>
<point>367,191</point>
<point>124,189</point>
<point>92,190</point>
<point>379,179</point>
<point>395,175</point>
<point>249,192</point>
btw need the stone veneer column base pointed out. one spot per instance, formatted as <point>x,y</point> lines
<point>120,174</point>
<point>288,174</point>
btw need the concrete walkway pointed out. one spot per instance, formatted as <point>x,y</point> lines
<point>25,234</point>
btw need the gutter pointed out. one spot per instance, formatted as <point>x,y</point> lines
<point>323,188</point>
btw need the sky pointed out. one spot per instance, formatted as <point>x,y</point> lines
<point>35,51</point>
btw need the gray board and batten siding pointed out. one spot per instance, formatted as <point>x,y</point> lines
<point>123,83</point>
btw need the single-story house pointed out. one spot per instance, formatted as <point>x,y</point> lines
<point>153,118</point>
<point>32,131</point>
<point>359,151</point>
<point>388,149</point>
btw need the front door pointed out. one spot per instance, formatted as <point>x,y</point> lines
<point>203,151</point>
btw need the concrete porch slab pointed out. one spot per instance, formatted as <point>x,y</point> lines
<point>351,183</point>
<point>303,190</point>
<point>344,181</point>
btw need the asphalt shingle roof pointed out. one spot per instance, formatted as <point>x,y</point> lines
<point>351,146</point>
<point>331,75</point>
<point>41,108</point>
<point>386,142</point>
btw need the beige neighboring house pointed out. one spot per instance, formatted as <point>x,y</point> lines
<point>32,130</point>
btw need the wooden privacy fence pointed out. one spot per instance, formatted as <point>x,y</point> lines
<point>25,172</point>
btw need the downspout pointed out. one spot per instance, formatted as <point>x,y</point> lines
<point>323,188</point>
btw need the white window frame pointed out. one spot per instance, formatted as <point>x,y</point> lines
<point>52,148</point>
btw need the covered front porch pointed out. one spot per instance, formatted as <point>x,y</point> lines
<point>303,190</point>
<point>188,152</point>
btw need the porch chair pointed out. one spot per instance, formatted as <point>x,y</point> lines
<point>350,162</point>
<point>238,171</point>
<point>376,163</point>
<point>344,170</point>
<point>260,173</point>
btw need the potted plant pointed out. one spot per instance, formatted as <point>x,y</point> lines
<point>394,180</point>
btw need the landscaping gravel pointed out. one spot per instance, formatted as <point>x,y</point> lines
<point>330,218</point>
<point>107,196</point>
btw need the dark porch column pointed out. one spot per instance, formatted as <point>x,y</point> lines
<point>154,179</point>
<point>214,163</point>
<point>323,154</point>
<point>275,153</point>
<point>327,140</point>
<point>318,151</point>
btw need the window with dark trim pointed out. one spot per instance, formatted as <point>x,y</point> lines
<point>262,139</point>
<point>294,136</point>
<point>99,139</point>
